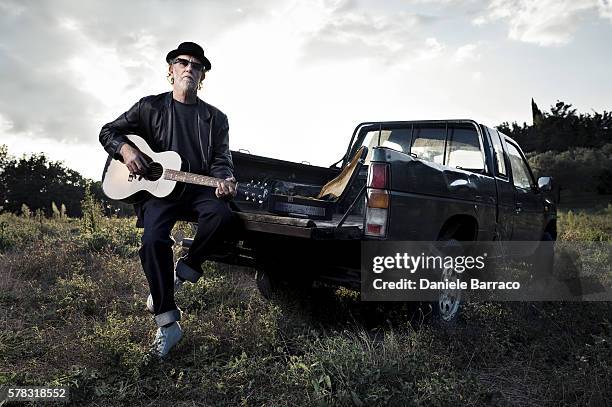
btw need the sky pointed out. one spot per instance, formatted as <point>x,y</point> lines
<point>295,77</point>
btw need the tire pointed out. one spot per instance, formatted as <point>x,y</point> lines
<point>445,311</point>
<point>542,261</point>
<point>266,284</point>
<point>269,283</point>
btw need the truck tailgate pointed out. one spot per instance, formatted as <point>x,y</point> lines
<point>261,222</point>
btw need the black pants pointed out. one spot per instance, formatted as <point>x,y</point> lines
<point>215,220</point>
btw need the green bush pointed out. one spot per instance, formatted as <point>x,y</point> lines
<point>107,234</point>
<point>577,171</point>
<point>115,344</point>
<point>16,231</point>
<point>113,235</point>
<point>76,294</point>
<point>589,227</point>
<point>357,368</point>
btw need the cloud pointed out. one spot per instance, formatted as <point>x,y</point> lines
<point>432,49</point>
<point>67,67</point>
<point>605,9</point>
<point>467,52</point>
<point>349,32</point>
<point>542,22</point>
<point>480,20</point>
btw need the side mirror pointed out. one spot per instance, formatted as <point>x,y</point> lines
<point>545,184</point>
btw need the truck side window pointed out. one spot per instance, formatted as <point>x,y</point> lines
<point>499,153</point>
<point>520,171</point>
<point>428,143</point>
<point>463,149</point>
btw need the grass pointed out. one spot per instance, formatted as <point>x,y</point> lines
<point>586,226</point>
<point>72,313</point>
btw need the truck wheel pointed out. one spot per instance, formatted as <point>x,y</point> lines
<point>445,311</point>
<point>266,284</point>
<point>270,282</point>
<point>542,261</point>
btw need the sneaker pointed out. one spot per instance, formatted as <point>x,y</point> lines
<point>178,283</point>
<point>166,338</point>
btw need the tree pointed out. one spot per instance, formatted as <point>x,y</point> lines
<point>3,163</point>
<point>561,129</point>
<point>37,183</point>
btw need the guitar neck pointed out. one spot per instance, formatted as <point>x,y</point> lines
<point>189,178</point>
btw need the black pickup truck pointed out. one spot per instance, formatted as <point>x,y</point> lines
<point>420,181</point>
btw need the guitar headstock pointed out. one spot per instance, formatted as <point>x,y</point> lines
<point>256,192</point>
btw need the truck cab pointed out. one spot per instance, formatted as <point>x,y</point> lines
<point>451,174</point>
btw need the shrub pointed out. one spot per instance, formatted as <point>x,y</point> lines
<point>107,234</point>
<point>113,237</point>
<point>76,294</point>
<point>590,227</point>
<point>115,344</point>
<point>356,368</point>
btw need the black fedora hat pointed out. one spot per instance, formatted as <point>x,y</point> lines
<point>189,48</point>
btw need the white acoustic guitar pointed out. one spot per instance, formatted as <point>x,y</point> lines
<point>164,178</point>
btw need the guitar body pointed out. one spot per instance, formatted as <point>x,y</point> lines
<point>119,184</point>
<point>166,177</point>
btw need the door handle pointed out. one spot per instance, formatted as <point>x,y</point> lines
<point>460,183</point>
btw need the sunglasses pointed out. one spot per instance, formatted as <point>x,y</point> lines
<point>184,62</point>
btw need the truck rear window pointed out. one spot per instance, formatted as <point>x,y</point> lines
<point>453,144</point>
<point>396,139</point>
<point>428,143</point>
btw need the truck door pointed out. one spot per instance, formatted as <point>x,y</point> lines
<point>505,189</point>
<point>529,208</point>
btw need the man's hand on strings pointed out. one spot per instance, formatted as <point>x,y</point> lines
<point>135,161</point>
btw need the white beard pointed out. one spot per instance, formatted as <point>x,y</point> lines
<point>187,85</point>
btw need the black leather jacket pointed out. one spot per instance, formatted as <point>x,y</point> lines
<point>151,118</point>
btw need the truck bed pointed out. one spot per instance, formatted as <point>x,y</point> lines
<point>256,220</point>
<point>265,240</point>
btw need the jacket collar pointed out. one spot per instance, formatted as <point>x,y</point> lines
<point>202,106</point>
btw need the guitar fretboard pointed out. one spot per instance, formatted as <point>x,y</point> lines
<point>174,175</point>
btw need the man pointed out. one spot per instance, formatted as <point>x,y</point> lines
<point>181,122</point>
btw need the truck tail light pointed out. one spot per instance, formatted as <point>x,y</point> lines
<point>378,198</point>
<point>376,222</point>
<point>378,176</point>
<point>377,208</point>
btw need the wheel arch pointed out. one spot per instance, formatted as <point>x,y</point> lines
<point>459,227</point>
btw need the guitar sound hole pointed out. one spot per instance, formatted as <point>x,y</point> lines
<point>155,171</point>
